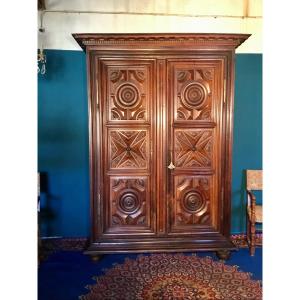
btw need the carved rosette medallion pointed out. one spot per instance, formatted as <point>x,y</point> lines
<point>128,201</point>
<point>128,96</point>
<point>128,92</point>
<point>192,200</point>
<point>194,94</point>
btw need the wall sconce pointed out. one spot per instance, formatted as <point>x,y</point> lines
<point>41,55</point>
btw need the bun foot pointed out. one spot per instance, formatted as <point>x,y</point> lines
<point>223,254</point>
<point>96,258</point>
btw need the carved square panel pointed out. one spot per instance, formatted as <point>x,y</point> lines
<point>129,201</point>
<point>128,93</point>
<point>193,148</point>
<point>192,202</point>
<point>128,149</point>
<point>193,92</point>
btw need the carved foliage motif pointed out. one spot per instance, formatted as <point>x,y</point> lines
<point>193,148</point>
<point>128,94</point>
<point>192,200</point>
<point>194,94</point>
<point>128,149</point>
<point>128,201</point>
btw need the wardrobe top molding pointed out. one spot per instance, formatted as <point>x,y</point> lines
<point>188,41</point>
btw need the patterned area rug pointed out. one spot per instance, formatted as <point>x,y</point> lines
<point>174,276</point>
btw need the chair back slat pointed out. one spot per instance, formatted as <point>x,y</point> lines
<point>254,179</point>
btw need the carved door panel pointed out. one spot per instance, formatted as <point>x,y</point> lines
<point>195,97</point>
<point>127,138</point>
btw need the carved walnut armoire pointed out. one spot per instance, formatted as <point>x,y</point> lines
<point>160,132</point>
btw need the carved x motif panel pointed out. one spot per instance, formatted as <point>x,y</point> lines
<point>128,149</point>
<point>193,148</point>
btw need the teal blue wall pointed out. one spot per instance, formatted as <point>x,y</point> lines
<point>247,133</point>
<point>63,140</point>
<point>63,145</point>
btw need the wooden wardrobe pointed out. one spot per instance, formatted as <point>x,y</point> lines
<point>160,133</point>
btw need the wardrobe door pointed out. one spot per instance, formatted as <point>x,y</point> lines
<point>127,138</point>
<point>195,98</point>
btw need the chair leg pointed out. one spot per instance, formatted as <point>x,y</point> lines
<point>252,239</point>
<point>247,230</point>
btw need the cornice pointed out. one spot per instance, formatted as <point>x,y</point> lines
<point>159,40</point>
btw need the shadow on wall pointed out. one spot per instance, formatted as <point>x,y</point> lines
<point>239,211</point>
<point>47,215</point>
<point>59,141</point>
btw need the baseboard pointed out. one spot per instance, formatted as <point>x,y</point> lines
<point>65,244</point>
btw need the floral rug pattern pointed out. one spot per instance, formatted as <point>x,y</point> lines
<point>174,277</point>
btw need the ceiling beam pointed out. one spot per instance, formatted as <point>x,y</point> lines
<point>149,14</point>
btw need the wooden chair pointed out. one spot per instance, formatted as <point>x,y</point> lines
<point>254,211</point>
